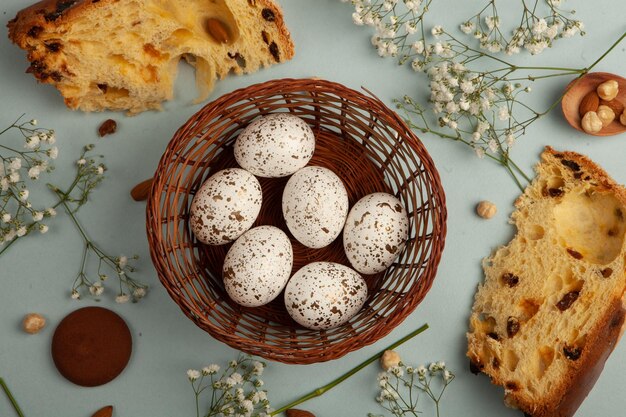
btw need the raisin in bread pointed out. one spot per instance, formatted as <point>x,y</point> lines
<point>550,310</point>
<point>123,54</point>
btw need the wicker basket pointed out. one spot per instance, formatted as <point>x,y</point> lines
<point>362,141</point>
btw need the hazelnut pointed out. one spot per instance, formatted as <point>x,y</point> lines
<point>622,118</point>
<point>606,115</point>
<point>33,323</point>
<point>389,359</point>
<point>486,209</point>
<point>608,90</point>
<point>591,123</point>
<point>614,104</point>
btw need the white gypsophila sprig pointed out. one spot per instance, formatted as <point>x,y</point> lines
<point>401,388</point>
<point>394,23</point>
<point>477,98</point>
<point>24,157</point>
<point>542,22</point>
<point>235,392</point>
<point>89,174</point>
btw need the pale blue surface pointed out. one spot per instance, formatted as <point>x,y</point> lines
<point>37,272</point>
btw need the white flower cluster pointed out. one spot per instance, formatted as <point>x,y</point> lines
<point>473,104</point>
<point>236,391</point>
<point>388,24</point>
<point>534,34</point>
<point>400,386</point>
<point>18,171</point>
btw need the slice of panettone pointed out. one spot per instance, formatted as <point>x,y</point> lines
<point>123,54</point>
<point>550,310</point>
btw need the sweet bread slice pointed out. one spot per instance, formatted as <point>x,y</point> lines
<point>123,54</point>
<point>551,308</point>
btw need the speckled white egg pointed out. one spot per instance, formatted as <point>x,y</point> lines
<point>376,231</point>
<point>225,206</point>
<point>276,145</point>
<point>323,295</point>
<point>315,206</point>
<point>257,266</point>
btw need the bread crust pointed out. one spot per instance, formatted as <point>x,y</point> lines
<point>597,172</point>
<point>582,373</point>
<point>52,18</point>
<point>50,14</point>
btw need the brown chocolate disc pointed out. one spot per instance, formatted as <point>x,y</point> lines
<point>91,346</point>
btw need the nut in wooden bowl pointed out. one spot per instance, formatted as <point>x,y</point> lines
<point>357,137</point>
<point>588,94</point>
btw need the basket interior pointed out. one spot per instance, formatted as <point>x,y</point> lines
<point>359,139</point>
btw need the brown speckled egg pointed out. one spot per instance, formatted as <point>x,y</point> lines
<point>258,266</point>
<point>376,231</point>
<point>324,295</point>
<point>225,206</point>
<point>274,146</point>
<point>315,205</point>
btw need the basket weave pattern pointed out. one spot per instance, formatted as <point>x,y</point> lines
<point>367,145</point>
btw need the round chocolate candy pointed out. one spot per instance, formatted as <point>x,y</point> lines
<point>91,346</point>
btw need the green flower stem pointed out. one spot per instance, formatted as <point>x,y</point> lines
<point>7,246</point>
<point>7,391</point>
<point>320,391</point>
<point>621,38</point>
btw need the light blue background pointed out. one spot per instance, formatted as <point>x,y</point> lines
<point>36,274</point>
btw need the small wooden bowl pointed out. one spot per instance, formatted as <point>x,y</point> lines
<point>361,140</point>
<point>579,88</point>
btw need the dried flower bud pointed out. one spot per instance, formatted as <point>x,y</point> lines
<point>389,359</point>
<point>486,209</point>
<point>33,323</point>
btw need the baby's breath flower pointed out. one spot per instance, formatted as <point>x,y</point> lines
<point>16,163</point>
<point>81,162</point>
<point>32,142</point>
<point>122,298</point>
<point>96,289</point>
<point>437,31</point>
<point>492,22</point>
<point>211,369</point>
<point>53,152</point>
<point>23,194</point>
<point>357,18</point>
<point>75,295</point>
<point>14,177</point>
<point>34,172</point>
<point>43,229</point>
<point>539,27</point>
<point>257,368</point>
<point>193,374</point>
<point>237,378</point>
<point>467,27</point>
<point>139,293</point>
<point>122,261</point>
